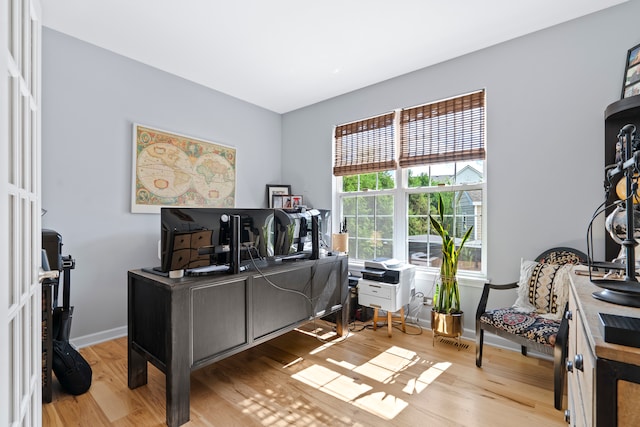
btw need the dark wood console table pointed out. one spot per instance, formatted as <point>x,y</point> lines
<point>180,325</point>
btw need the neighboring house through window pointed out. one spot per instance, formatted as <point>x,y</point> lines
<point>390,170</point>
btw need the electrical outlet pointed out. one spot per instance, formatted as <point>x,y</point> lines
<point>427,301</point>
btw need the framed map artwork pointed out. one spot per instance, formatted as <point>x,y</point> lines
<point>174,170</point>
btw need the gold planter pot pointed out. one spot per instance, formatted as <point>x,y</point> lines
<point>446,325</point>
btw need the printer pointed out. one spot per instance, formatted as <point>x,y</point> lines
<point>386,284</point>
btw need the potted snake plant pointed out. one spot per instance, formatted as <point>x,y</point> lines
<point>446,315</point>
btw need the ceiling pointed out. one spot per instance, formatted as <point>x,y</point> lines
<point>286,54</point>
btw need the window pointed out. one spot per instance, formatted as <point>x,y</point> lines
<point>391,169</point>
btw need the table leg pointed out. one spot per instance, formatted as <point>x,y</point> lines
<point>137,368</point>
<point>137,362</point>
<point>178,368</point>
<point>177,394</point>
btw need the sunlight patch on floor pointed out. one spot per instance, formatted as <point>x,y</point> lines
<point>299,359</point>
<point>381,404</point>
<point>417,385</point>
<point>270,414</point>
<point>384,368</point>
<point>325,337</point>
<point>331,382</point>
<point>319,332</point>
<point>322,347</point>
<point>343,364</point>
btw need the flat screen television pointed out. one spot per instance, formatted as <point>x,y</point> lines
<point>194,238</point>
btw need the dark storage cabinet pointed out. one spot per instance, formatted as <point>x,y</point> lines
<point>222,305</point>
<point>291,307</point>
<point>180,325</point>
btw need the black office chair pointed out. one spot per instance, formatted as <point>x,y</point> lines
<point>533,330</point>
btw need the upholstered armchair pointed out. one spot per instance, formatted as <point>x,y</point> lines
<point>536,319</point>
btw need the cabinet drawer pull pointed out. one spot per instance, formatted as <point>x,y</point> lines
<point>567,416</point>
<point>578,362</point>
<point>569,366</point>
<point>568,315</point>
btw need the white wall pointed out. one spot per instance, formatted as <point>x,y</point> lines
<point>91,97</point>
<point>546,96</point>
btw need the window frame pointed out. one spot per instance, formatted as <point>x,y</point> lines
<point>339,195</point>
<point>482,186</point>
<point>401,193</point>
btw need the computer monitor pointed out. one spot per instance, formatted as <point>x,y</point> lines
<point>301,232</point>
<point>199,237</point>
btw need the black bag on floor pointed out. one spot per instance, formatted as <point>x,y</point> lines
<point>62,316</point>
<point>62,323</point>
<point>72,371</point>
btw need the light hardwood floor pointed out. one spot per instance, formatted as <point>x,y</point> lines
<point>369,379</point>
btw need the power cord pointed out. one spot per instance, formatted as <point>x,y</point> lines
<point>308,299</point>
<point>397,324</point>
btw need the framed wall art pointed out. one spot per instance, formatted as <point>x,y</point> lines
<point>174,170</point>
<point>286,201</point>
<point>296,201</point>
<point>276,190</point>
<point>631,81</point>
<point>281,201</point>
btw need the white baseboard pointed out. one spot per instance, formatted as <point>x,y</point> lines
<point>91,339</point>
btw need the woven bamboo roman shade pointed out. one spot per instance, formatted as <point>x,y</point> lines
<point>365,146</point>
<point>445,131</point>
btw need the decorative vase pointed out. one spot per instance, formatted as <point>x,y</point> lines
<point>446,316</point>
<point>447,325</point>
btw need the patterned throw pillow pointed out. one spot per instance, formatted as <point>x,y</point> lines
<point>561,257</point>
<point>543,288</point>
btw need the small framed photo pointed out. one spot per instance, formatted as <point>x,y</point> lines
<point>296,201</point>
<point>278,201</point>
<point>276,190</point>
<point>631,81</point>
<point>632,90</point>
